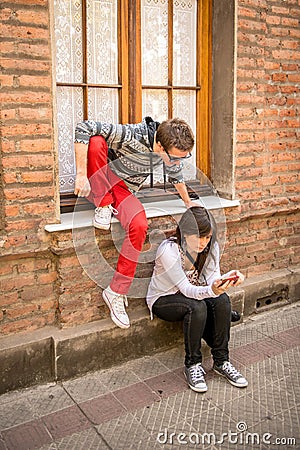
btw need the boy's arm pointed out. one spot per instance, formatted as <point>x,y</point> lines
<point>182,191</point>
<point>82,185</point>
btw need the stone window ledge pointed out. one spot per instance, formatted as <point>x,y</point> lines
<point>81,219</point>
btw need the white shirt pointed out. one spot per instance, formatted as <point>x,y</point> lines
<point>169,277</point>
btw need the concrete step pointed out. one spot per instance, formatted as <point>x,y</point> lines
<point>51,354</point>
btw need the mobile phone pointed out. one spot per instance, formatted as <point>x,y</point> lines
<point>233,278</point>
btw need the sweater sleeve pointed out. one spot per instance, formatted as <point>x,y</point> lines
<point>171,264</point>
<point>113,134</point>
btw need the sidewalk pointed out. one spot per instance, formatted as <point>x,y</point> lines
<point>146,404</point>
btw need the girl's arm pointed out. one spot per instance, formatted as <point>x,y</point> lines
<point>171,263</point>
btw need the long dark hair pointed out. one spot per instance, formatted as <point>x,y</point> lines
<point>197,220</point>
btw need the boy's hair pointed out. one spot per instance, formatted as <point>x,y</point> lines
<point>175,133</point>
<point>197,220</point>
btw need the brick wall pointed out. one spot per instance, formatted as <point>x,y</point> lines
<point>267,97</point>
<point>267,137</point>
<point>42,281</point>
<point>27,268</point>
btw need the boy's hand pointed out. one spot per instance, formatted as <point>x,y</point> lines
<point>82,186</point>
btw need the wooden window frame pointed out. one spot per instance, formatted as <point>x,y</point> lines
<point>130,81</point>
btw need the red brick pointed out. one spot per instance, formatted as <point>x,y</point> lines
<point>25,96</point>
<point>34,114</point>
<point>25,64</point>
<point>36,17</point>
<point>28,193</point>
<point>28,161</point>
<point>24,32</point>
<point>6,80</point>
<point>8,114</point>
<point>37,177</point>
<point>39,145</point>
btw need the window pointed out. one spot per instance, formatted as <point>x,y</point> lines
<point>120,60</point>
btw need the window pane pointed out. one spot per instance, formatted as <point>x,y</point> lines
<point>184,106</point>
<point>154,42</point>
<point>102,41</point>
<point>184,47</point>
<point>68,25</point>
<point>103,105</point>
<point>69,113</point>
<point>155,104</point>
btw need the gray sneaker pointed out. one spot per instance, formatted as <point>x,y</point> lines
<point>234,377</point>
<point>195,377</point>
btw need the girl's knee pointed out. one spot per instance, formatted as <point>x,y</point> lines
<point>223,301</point>
<point>198,307</point>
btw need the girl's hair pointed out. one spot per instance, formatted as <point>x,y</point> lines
<point>197,220</point>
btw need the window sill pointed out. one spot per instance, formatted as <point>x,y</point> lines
<point>81,219</point>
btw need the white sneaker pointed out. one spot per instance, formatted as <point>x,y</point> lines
<point>103,215</point>
<point>115,302</point>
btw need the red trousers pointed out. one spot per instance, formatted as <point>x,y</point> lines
<point>108,189</point>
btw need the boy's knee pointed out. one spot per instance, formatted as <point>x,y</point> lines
<point>97,144</point>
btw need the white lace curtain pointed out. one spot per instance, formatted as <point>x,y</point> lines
<point>102,68</point>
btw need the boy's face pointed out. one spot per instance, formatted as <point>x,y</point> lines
<point>173,156</point>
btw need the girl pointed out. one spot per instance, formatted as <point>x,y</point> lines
<point>187,285</point>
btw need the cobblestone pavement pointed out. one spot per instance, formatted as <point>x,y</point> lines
<point>146,404</point>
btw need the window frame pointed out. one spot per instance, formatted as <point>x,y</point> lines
<point>130,86</point>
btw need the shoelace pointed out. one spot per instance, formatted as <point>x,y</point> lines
<point>105,213</point>
<point>118,304</point>
<point>228,367</point>
<point>197,373</point>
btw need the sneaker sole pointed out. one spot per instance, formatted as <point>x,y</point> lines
<point>101,227</point>
<point>113,317</point>
<point>194,388</point>
<point>230,381</point>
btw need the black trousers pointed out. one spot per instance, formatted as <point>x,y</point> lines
<point>208,319</point>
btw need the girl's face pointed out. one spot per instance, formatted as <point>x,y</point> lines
<point>197,244</point>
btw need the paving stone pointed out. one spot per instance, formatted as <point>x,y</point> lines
<point>85,440</point>
<point>117,378</point>
<point>275,321</point>
<point>172,358</point>
<point>26,436</point>
<point>103,408</point>
<point>246,409</point>
<point>15,412</point>
<point>289,338</point>
<point>243,334</point>
<point>2,444</point>
<point>167,384</point>
<point>136,396</point>
<point>252,353</point>
<point>66,422</point>
<point>127,433</point>
<point>265,350</point>
<point>282,426</point>
<point>86,387</point>
<point>48,399</point>
<point>146,367</point>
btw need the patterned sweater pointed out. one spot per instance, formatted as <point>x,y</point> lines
<point>130,154</point>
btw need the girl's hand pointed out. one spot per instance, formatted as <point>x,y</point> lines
<point>219,287</point>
